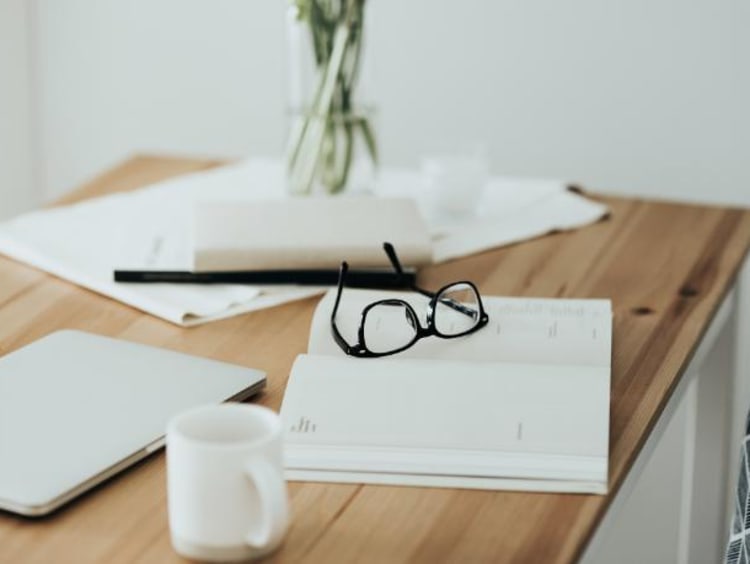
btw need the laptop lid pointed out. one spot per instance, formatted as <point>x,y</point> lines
<point>77,408</point>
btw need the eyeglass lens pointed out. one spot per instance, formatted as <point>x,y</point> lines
<point>456,310</point>
<point>389,326</point>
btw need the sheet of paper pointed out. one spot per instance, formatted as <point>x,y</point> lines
<point>146,229</point>
<point>509,210</point>
<point>520,330</point>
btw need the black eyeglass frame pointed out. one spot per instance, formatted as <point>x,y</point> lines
<point>361,350</point>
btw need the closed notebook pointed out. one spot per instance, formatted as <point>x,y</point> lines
<point>521,404</point>
<point>308,233</point>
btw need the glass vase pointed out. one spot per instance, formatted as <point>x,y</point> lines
<point>331,145</point>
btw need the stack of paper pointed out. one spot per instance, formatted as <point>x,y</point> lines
<point>152,228</point>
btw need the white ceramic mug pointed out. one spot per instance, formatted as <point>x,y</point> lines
<point>227,496</point>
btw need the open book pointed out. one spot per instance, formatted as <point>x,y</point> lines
<point>521,404</point>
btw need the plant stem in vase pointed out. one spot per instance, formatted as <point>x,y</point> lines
<point>330,126</point>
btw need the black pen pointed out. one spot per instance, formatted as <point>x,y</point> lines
<point>374,278</point>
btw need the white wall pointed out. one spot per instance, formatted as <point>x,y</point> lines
<point>640,96</point>
<point>646,96</point>
<point>178,76</point>
<point>16,191</point>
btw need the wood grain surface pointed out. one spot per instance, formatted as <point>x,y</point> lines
<point>665,266</point>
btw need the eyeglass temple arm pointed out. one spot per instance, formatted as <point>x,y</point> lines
<point>391,252</point>
<point>336,333</point>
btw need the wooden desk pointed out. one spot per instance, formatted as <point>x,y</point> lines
<point>665,266</point>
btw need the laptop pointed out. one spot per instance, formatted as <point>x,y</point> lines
<point>77,408</point>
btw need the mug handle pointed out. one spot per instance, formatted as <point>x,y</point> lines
<point>271,489</point>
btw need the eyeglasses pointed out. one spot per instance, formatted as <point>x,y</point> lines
<point>390,326</point>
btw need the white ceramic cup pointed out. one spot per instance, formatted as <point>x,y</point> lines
<point>227,496</point>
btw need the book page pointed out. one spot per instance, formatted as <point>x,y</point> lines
<point>427,417</point>
<point>520,330</point>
